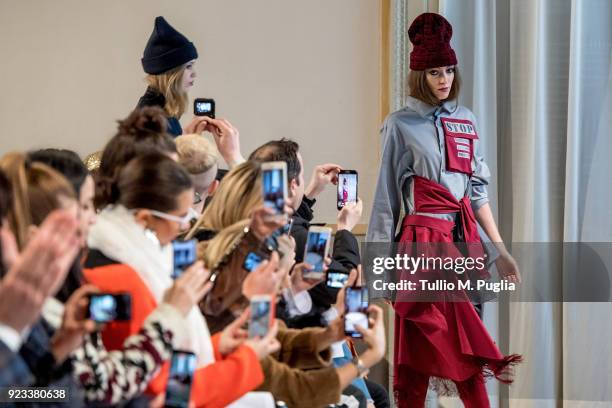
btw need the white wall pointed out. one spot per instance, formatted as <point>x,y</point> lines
<point>308,70</point>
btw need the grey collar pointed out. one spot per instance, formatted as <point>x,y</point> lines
<point>428,111</point>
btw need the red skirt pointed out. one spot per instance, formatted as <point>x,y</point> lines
<point>442,339</point>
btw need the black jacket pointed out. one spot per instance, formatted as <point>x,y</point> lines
<point>345,256</point>
<point>152,97</point>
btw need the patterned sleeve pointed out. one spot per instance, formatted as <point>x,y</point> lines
<point>110,377</point>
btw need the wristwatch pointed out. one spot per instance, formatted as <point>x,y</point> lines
<point>362,370</point>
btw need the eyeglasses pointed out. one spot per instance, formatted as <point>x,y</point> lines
<point>184,222</point>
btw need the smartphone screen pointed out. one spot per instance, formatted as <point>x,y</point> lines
<point>184,256</point>
<point>252,261</point>
<point>317,246</point>
<point>178,389</point>
<point>107,307</point>
<point>204,107</point>
<point>356,304</point>
<point>261,314</point>
<point>347,187</point>
<point>274,181</point>
<point>336,280</point>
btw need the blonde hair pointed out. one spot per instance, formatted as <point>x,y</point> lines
<point>170,84</point>
<point>196,153</point>
<point>418,88</point>
<point>239,193</point>
<point>37,190</point>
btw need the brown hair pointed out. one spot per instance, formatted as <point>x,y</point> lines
<point>142,132</point>
<point>152,181</point>
<point>418,88</point>
<point>170,85</point>
<point>280,150</point>
<point>36,189</point>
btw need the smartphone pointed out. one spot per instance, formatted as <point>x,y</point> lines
<point>108,307</point>
<point>204,107</point>
<point>356,305</point>
<point>252,261</point>
<point>317,249</point>
<point>347,187</point>
<point>274,182</point>
<point>261,315</point>
<point>178,389</point>
<point>185,253</point>
<point>336,279</point>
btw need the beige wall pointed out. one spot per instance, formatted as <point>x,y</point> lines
<point>308,70</point>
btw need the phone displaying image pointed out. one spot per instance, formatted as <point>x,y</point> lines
<point>185,253</point>
<point>261,315</point>
<point>108,307</point>
<point>178,389</point>
<point>317,249</point>
<point>336,280</point>
<point>356,305</point>
<point>252,261</point>
<point>274,182</point>
<point>204,107</point>
<point>347,187</point>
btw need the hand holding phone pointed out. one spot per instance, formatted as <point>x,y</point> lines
<point>108,307</point>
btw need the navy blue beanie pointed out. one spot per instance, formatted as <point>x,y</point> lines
<point>166,49</point>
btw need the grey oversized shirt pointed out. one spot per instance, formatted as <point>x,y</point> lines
<point>414,144</point>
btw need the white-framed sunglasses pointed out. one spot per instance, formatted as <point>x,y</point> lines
<point>184,222</point>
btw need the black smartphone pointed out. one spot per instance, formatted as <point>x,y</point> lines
<point>347,187</point>
<point>274,182</point>
<point>108,307</point>
<point>336,280</point>
<point>178,389</point>
<point>204,107</point>
<point>252,261</point>
<point>185,253</point>
<point>356,305</point>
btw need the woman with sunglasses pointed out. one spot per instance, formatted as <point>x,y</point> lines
<point>130,251</point>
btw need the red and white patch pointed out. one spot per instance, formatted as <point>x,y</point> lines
<point>459,135</point>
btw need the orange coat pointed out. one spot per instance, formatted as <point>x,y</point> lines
<point>215,385</point>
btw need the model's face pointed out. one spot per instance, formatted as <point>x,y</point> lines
<point>189,76</point>
<point>440,80</point>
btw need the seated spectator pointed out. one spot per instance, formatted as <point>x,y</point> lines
<point>200,158</point>
<point>130,252</point>
<point>93,374</point>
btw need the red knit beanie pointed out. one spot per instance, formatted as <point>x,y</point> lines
<point>430,33</point>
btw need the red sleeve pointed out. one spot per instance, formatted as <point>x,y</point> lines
<point>224,381</point>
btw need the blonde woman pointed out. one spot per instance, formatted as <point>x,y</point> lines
<point>168,60</point>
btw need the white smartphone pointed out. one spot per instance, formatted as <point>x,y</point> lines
<point>274,183</point>
<point>262,315</point>
<point>317,249</point>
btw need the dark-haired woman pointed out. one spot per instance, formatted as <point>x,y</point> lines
<point>433,165</point>
<point>130,251</point>
<point>168,60</point>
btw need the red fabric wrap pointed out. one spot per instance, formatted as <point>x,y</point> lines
<point>442,339</point>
